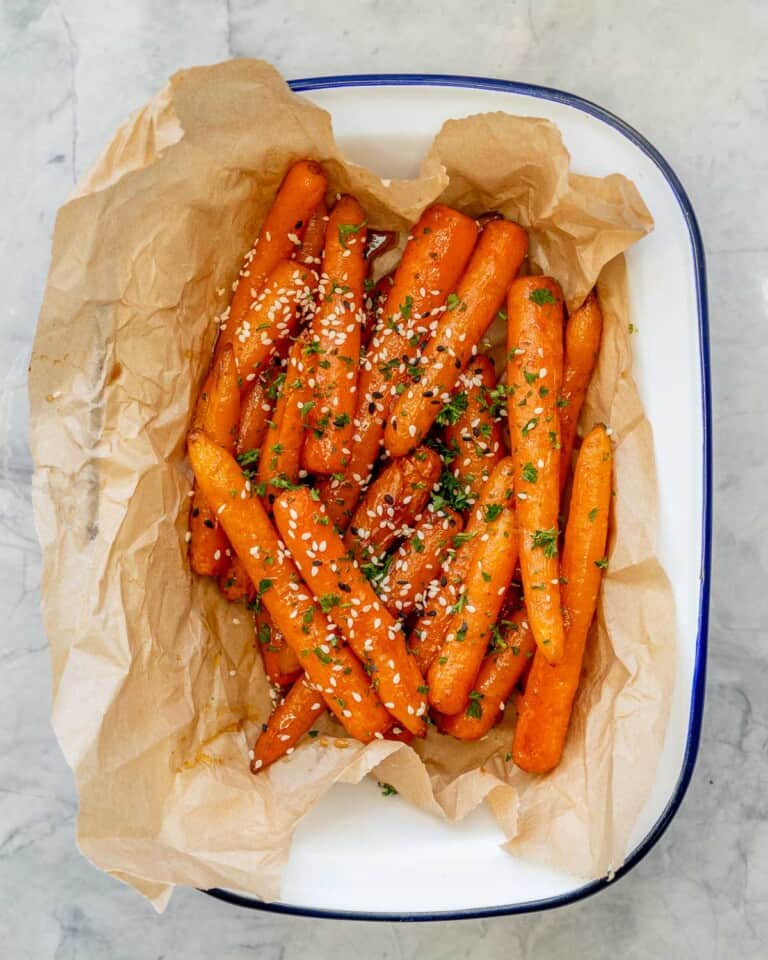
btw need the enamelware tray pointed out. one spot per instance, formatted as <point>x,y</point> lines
<point>361,856</point>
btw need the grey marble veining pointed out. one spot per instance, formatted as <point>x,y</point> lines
<point>692,76</point>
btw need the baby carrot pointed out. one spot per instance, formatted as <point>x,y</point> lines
<point>582,344</point>
<point>491,568</point>
<point>499,672</point>
<point>391,504</point>
<point>217,413</point>
<point>433,260</point>
<point>274,315</point>
<point>545,710</point>
<point>255,414</point>
<point>303,187</point>
<point>280,458</point>
<point>469,311</point>
<point>289,722</point>
<point>534,376</point>
<point>329,665</point>
<point>428,634</point>
<point>418,562</point>
<point>472,429</point>
<point>341,588</point>
<point>311,249</point>
<point>281,664</point>
<point>335,340</point>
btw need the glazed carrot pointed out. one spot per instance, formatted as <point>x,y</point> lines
<point>311,248</point>
<point>235,583</point>
<point>274,315</point>
<point>429,631</point>
<point>534,376</point>
<point>582,344</point>
<point>331,666</point>
<point>545,711</point>
<point>335,340</point>
<point>418,562</point>
<point>374,302</point>
<point>255,414</point>
<point>494,264</point>
<point>499,672</point>
<point>281,664</point>
<point>472,427</point>
<point>280,459</point>
<point>341,588</point>
<point>289,722</point>
<point>391,504</point>
<point>494,558</point>
<point>303,187</point>
<point>217,413</point>
<point>433,261</point>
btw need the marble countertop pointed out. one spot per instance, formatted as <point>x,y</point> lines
<point>693,77</point>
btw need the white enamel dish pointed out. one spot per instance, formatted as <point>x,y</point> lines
<point>360,856</point>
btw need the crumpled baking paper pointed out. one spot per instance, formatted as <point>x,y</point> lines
<point>157,689</point>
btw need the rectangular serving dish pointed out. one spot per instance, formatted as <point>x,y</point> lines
<point>357,856</point>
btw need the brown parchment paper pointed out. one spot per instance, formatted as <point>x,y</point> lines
<point>157,691</point>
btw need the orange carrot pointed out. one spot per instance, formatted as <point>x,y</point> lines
<point>468,314</point>
<point>218,411</point>
<point>582,344</point>
<point>255,414</point>
<point>494,558</point>
<point>302,189</point>
<point>335,340</point>
<point>311,248</point>
<point>331,666</point>
<point>274,315</point>
<point>428,634</point>
<point>534,376</point>
<point>472,429</point>
<point>418,562</point>
<point>499,672</point>
<point>288,724</point>
<point>280,459</point>
<point>433,260</point>
<point>391,504</point>
<point>546,706</point>
<point>341,588</point>
<point>281,664</point>
<point>234,583</point>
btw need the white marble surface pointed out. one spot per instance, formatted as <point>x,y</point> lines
<point>692,75</point>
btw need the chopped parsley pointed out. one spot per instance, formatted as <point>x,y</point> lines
<point>328,601</point>
<point>593,514</point>
<point>602,563</point>
<point>346,230</point>
<point>546,540</point>
<point>540,296</point>
<point>451,413</point>
<point>530,473</point>
<point>387,790</point>
<point>531,425</point>
<point>492,511</point>
<point>475,707</point>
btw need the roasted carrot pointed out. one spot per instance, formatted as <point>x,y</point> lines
<point>534,376</point>
<point>274,315</point>
<point>582,345</point>
<point>341,588</point>
<point>433,260</point>
<point>472,429</point>
<point>335,340</point>
<point>469,311</point>
<point>430,629</point>
<point>418,562</point>
<point>281,664</point>
<point>303,187</point>
<point>235,583</point>
<point>500,670</point>
<point>218,411</point>
<point>290,720</point>
<point>255,413</point>
<point>280,459</point>
<point>545,711</point>
<point>330,665</point>
<point>491,568</point>
<point>391,504</point>
<point>311,249</point>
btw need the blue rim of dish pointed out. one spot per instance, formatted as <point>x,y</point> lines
<point>699,672</point>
